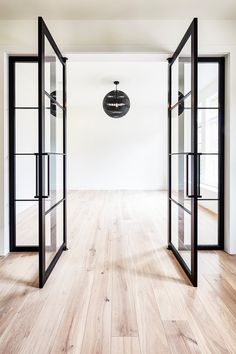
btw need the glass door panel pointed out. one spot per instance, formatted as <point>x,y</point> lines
<point>53,127</point>
<point>181,124</point>
<point>208,130</point>
<point>181,74</point>
<point>23,149</point>
<point>211,152</point>
<point>53,69</point>
<point>181,232</point>
<point>208,220</point>
<point>52,154</point>
<point>26,214</point>
<point>26,130</point>
<point>53,233</point>
<point>25,174</point>
<point>184,175</point>
<point>208,83</point>
<point>55,180</point>
<point>26,82</point>
<point>180,181</point>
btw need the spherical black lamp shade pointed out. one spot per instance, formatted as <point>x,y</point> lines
<point>116,103</point>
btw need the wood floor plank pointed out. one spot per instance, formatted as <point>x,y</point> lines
<point>97,332</point>
<point>125,345</point>
<point>150,327</point>
<point>124,322</point>
<point>180,337</point>
<point>69,337</point>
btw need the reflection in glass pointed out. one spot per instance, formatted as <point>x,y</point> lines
<point>208,85</point>
<point>26,223</point>
<point>53,73</point>
<point>25,176</point>
<point>180,130</point>
<point>181,232</point>
<point>26,130</point>
<point>53,233</point>
<point>179,180</point>
<point>26,84</point>
<point>181,73</point>
<point>208,147</point>
<point>208,222</point>
<point>209,176</point>
<point>208,121</point>
<point>55,180</point>
<point>53,127</point>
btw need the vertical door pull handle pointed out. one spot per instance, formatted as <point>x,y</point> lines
<point>187,175</point>
<point>37,175</point>
<point>198,175</point>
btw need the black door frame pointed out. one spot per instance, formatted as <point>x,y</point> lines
<point>43,33</point>
<point>40,168</point>
<point>12,154</point>
<point>191,33</point>
<point>221,150</point>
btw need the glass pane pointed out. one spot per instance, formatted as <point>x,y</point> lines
<point>53,73</point>
<point>207,222</point>
<point>209,176</point>
<point>181,232</point>
<point>25,176</point>
<point>53,127</point>
<point>53,233</point>
<point>208,130</point>
<point>26,123</point>
<point>26,223</point>
<point>181,74</point>
<point>181,130</point>
<point>26,84</point>
<point>208,84</point>
<point>179,180</point>
<point>55,180</point>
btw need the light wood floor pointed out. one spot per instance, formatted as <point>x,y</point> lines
<point>118,290</point>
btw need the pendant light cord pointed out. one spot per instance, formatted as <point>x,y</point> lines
<point>116,83</point>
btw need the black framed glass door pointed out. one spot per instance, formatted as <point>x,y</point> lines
<point>183,158</point>
<point>51,159</point>
<point>23,149</point>
<point>211,77</point>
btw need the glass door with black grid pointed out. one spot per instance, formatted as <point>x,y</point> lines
<point>183,158</point>
<point>23,150</point>
<point>51,162</point>
<point>211,152</point>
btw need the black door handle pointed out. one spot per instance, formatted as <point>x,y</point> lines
<point>198,175</point>
<point>37,175</point>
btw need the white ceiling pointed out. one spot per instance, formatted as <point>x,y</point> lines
<point>118,9</point>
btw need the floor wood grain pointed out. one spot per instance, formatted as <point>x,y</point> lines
<point>117,290</point>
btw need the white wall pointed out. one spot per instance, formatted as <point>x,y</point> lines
<point>215,37</point>
<point>125,153</point>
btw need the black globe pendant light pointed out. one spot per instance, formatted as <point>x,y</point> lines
<point>116,104</point>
